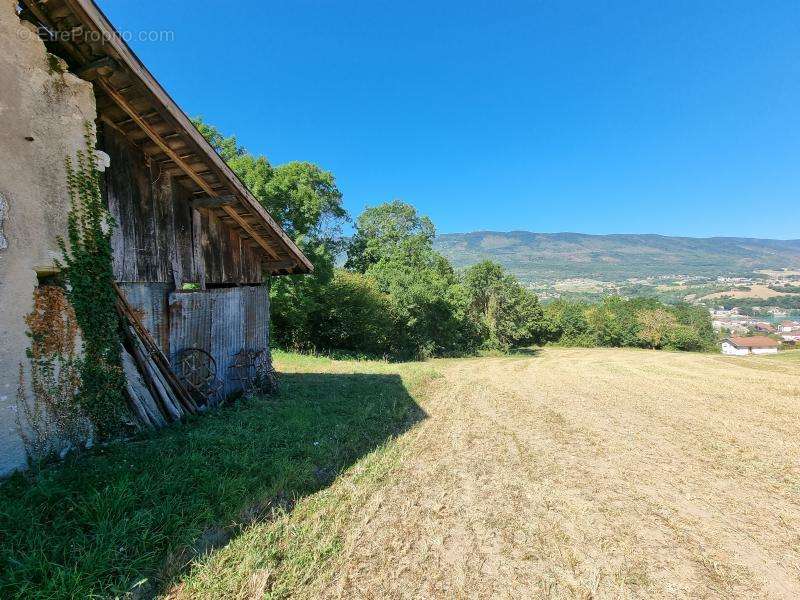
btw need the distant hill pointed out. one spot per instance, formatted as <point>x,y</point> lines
<point>553,256</point>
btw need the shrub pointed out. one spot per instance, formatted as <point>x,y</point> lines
<point>638,322</point>
<point>505,314</point>
<point>353,315</point>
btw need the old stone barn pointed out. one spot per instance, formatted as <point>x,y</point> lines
<point>193,249</point>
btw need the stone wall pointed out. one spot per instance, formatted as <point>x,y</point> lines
<point>42,114</point>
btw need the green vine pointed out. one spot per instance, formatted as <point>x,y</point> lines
<point>88,273</point>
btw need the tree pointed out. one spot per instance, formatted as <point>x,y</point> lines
<point>353,315</point>
<point>393,244</point>
<point>566,323</point>
<point>698,320</point>
<point>637,322</point>
<point>686,338</point>
<point>254,171</point>
<point>300,195</point>
<point>507,313</point>
<point>386,229</point>
<point>306,200</point>
<point>655,326</point>
<point>613,322</point>
<point>480,281</point>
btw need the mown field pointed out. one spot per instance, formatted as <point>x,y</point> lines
<point>752,291</point>
<point>561,473</point>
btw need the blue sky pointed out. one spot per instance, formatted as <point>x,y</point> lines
<point>679,118</point>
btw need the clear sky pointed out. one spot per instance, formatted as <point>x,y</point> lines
<point>679,118</point>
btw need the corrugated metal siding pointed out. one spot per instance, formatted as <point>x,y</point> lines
<point>223,322</point>
<point>255,307</point>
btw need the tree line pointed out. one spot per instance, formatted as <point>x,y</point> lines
<point>395,296</point>
<point>789,302</point>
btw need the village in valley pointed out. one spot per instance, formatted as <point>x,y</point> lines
<point>754,313</point>
<point>759,314</point>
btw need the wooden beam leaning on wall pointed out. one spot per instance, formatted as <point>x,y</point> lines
<point>157,371</point>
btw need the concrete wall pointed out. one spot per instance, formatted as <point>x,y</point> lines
<point>36,102</point>
<point>765,350</point>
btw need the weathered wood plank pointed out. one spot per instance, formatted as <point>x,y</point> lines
<point>121,197</point>
<point>197,248</point>
<point>160,237</point>
<point>167,266</point>
<point>280,265</point>
<point>184,245</point>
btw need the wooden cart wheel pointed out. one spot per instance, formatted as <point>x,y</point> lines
<point>249,368</point>
<point>197,370</point>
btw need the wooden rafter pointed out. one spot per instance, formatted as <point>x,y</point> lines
<point>280,265</point>
<point>200,181</point>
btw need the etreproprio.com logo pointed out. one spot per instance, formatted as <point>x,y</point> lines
<point>78,34</point>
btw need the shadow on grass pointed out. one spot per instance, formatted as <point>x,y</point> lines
<point>104,522</point>
<point>513,352</point>
<point>525,351</point>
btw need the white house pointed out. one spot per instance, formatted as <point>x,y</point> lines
<point>757,344</point>
<point>787,326</point>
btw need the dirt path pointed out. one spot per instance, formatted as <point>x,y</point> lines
<point>588,474</point>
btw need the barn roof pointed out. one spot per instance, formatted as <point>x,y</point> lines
<point>130,100</point>
<point>756,341</point>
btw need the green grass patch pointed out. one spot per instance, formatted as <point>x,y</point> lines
<point>790,356</point>
<point>140,513</point>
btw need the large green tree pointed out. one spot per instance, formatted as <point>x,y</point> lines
<point>303,197</point>
<point>393,244</point>
<point>388,229</point>
<point>509,315</point>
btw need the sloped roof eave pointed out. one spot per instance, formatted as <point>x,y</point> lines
<point>282,248</point>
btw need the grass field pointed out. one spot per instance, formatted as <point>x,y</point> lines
<point>565,473</point>
<point>753,291</point>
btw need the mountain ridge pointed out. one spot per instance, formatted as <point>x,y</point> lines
<point>536,256</point>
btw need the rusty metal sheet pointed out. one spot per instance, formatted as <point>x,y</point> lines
<point>226,333</point>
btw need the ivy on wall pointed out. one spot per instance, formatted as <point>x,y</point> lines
<point>53,422</point>
<point>89,277</point>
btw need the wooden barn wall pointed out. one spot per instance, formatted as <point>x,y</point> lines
<point>159,237</point>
